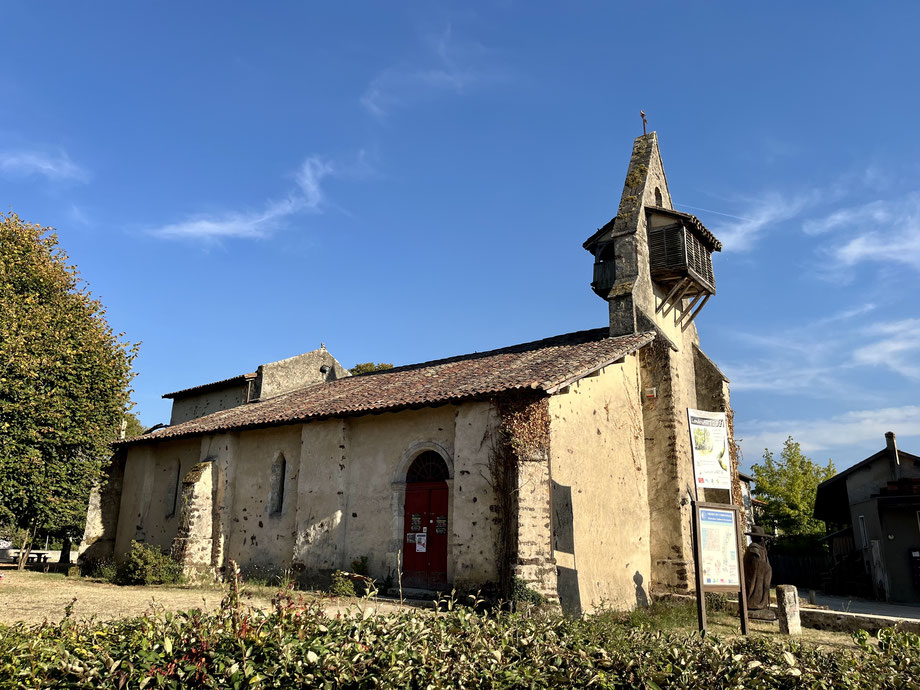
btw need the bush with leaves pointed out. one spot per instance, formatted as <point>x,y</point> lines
<point>146,564</point>
<point>295,644</point>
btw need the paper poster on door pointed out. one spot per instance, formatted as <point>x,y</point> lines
<point>421,542</point>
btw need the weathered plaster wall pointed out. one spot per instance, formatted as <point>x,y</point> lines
<point>600,508</point>
<point>102,514</point>
<point>258,537</point>
<point>475,530</point>
<point>296,372</point>
<point>193,406</point>
<point>352,490</point>
<point>149,493</point>
<point>376,459</point>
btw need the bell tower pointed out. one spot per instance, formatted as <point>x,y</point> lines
<point>653,266</point>
<point>651,261</point>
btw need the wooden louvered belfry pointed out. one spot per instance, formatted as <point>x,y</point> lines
<point>680,260</point>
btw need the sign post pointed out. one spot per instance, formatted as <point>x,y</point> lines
<point>717,550</point>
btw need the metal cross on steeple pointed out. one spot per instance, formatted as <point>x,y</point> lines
<point>644,122</point>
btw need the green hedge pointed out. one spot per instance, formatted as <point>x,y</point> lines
<point>295,644</point>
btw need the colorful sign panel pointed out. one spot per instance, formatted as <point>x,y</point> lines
<point>719,548</point>
<point>709,440</point>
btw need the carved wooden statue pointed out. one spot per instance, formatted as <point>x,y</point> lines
<point>757,572</point>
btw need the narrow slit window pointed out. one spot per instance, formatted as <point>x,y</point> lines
<point>862,531</point>
<point>279,472</point>
<point>175,486</point>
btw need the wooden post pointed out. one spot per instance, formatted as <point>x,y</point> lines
<point>698,557</point>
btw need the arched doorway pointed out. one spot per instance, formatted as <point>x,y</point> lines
<point>425,523</point>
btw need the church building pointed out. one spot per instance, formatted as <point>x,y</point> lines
<point>563,464</point>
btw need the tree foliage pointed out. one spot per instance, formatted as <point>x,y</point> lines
<point>64,383</point>
<point>133,426</point>
<point>367,367</point>
<point>789,486</point>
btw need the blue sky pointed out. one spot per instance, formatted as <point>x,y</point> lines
<point>404,181</point>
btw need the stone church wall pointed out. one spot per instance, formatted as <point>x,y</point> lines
<point>258,536</point>
<point>150,493</point>
<point>599,491</point>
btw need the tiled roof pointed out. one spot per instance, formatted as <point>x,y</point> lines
<point>713,241</point>
<point>211,386</point>
<point>543,365</point>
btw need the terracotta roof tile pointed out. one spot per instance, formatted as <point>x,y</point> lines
<point>542,365</point>
<point>210,386</point>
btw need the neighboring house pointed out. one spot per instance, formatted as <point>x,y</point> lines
<point>872,511</point>
<point>564,462</point>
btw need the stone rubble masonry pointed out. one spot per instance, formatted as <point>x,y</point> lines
<point>192,545</point>
<point>297,372</point>
<point>787,601</point>
<point>534,563</point>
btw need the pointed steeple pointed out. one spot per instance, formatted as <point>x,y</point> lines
<point>649,248</point>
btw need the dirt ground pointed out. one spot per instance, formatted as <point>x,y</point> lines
<point>34,597</point>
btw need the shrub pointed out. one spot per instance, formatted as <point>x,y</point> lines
<point>359,566</point>
<point>295,644</point>
<point>521,593</point>
<point>146,564</point>
<point>101,568</point>
<point>342,586</point>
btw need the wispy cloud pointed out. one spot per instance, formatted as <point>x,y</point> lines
<point>897,347</point>
<point>52,166</point>
<point>448,66</point>
<point>874,212</point>
<point>885,231</point>
<point>742,234</point>
<point>803,360</point>
<point>851,428</point>
<point>307,197</point>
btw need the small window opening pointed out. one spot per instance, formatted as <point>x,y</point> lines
<point>427,467</point>
<point>279,472</point>
<point>175,486</point>
<point>658,198</point>
<point>862,531</point>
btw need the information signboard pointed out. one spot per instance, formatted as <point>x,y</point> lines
<point>719,548</point>
<point>709,441</point>
<point>717,556</point>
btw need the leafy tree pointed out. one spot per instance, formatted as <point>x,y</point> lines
<point>788,486</point>
<point>133,426</point>
<point>366,367</point>
<point>64,385</point>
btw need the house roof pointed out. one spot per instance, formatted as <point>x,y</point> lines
<point>543,365</point>
<point>832,502</point>
<point>204,387</point>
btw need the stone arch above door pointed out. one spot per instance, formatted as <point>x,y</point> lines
<point>416,449</point>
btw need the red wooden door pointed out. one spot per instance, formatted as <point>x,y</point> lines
<point>425,536</point>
